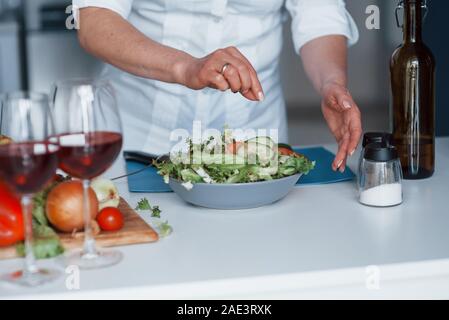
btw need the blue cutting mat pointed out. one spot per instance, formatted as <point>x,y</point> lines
<point>149,181</point>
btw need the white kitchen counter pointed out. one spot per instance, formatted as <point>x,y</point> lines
<point>318,242</point>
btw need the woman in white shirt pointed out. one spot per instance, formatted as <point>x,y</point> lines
<point>158,51</point>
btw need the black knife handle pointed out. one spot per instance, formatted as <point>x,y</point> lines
<point>139,156</point>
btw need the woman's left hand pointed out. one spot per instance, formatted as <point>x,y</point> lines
<point>344,120</point>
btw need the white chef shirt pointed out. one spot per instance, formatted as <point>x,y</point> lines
<point>151,109</point>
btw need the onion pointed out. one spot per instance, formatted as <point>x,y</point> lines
<point>64,206</point>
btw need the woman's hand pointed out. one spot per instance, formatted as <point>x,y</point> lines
<point>344,120</point>
<point>325,62</point>
<point>223,69</point>
<point>112,38</point>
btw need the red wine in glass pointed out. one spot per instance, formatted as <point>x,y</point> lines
<point>27,164</point>
<point>89,133</point>
<point>27,167</point>
<point>88,155</point>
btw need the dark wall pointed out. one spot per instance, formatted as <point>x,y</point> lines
<point>436,35</point>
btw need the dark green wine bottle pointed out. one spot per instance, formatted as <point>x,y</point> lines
<point>412,71</point>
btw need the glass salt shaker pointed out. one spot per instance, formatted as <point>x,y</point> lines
<point>380,176</point>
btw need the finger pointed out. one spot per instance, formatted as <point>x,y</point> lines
<point>344,100</point>
<point>219,82</point>
<point>355,133</point>
<point>242,72</point>
<point>221,57</point>
<point>339,99</point>
<point>231,74</point>
<point>244,69</point>
<point>250,96</point>
<point>342,167</point>
<point>256,87</point>
<point>333,104</point>
<point>340,158</point>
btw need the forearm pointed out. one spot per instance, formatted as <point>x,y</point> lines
<point>325,61</point>
<point>108,36</point>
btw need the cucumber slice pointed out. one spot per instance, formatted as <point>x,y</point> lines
<point>262,140</point>
<point>255,153</point>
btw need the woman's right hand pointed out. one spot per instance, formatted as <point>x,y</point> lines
<point>128,49</point>
<point>238,75</point>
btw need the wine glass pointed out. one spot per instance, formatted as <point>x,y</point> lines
<point>89,134</point>
<point>26,166</point>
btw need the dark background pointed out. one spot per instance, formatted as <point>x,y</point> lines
<point>436,36</point>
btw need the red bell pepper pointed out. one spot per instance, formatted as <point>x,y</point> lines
<point>11,219</point>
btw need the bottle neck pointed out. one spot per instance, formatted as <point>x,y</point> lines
<point>412,21</point>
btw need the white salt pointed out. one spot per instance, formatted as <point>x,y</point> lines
<point>382,196</point>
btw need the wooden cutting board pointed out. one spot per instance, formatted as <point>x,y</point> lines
<point>135,231</point>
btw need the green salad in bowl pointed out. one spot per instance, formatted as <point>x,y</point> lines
<point>228,174</point>
<point>253,160</point>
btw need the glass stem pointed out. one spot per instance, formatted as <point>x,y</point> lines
<point>30,260</point>
<point>90,250</point>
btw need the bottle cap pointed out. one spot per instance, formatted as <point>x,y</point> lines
<point>377,137</point>
<point>380,152</point>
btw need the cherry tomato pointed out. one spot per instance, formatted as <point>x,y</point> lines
<point>286,152</point>
<point>232,147</point>
<point>110,219</point>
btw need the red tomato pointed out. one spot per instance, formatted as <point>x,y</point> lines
<point>232,147</point>
<point>286,152</point>
<point>11,220</point>
<point>110,219</point>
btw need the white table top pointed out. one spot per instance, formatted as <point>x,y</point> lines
<point>317,237</point>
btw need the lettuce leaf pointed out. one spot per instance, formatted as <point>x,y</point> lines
<point>46,243</point>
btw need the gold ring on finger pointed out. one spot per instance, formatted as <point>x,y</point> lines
<point>226,65</point>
